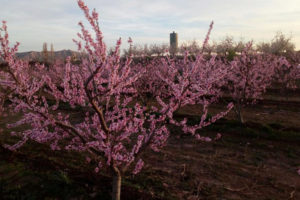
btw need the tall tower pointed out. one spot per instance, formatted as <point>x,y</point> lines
<point>173,43</point>
<point>52,53</point>
<point>45,52</point>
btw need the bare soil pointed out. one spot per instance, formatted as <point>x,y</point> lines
<point>258,160</point>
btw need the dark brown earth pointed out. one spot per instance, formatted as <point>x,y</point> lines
<point>257,160</point>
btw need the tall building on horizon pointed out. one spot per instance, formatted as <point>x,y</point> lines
<point>173,43</point>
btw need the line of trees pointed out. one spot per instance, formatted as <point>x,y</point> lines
<point>229,47</point>
<point>146,50</point>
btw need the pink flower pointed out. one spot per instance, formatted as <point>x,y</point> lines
<point>206,139</point>
<point>218,136</point>
<point>95,14</point>
<point>138,167</point>
<point>203,139</point>
<point>88,159</point>
<point>129,40</point>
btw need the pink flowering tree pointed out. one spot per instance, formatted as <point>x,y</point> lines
<point>116,129</point>
<point>251,74</point>
<point>193,82</point>
<point>286,75</point>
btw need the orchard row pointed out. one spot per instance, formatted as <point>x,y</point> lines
<point>127,105</point>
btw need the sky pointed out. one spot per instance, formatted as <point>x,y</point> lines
<point>33,22</point>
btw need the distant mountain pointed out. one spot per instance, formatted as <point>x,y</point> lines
<point>39,56</point>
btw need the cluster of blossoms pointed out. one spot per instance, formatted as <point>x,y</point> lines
<point>193,82</point>
<point>6,54</point>
<point>150,85</point>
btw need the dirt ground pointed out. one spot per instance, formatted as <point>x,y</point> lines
<point>257,160</point>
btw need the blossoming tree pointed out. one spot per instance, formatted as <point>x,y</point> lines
<point>116,128</point>
<point>251,74</point>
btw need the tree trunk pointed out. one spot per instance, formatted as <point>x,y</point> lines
<point>238,111</point>
<point>117,181</point>
<point>240,116</point>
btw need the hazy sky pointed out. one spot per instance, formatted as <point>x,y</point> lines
<point>33,22</point>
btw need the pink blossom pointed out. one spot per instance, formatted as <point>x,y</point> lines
<point>203,139</point>
<point>88,159</point>
<point>138,167</point>
<point>218,136</point>
<point>95,14</point>
<point>129,40</point>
